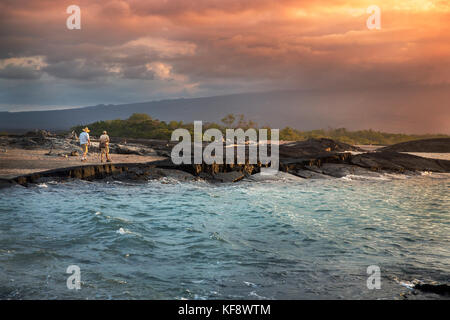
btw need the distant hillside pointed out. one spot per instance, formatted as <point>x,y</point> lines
<point>299,110</point>
<point>258,106</point>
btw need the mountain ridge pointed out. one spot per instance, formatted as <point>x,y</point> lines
<point>303,110</point>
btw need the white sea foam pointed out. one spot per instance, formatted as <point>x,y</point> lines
<point>397,176</point>
<point>122,231</point>
<point>42,185</point>
<point>118,219</point>
<point>198,281</point>
<point>407,284</point>
<point>167,180</point>
<point>250,284</point>
<point>351,177</point>
<point>254,294</point>
<point>380,177</point>
<point>279,176</point>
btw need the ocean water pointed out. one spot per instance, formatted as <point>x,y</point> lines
<point>276,239</point>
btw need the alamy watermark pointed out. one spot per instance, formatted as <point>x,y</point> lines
<point>74,280</point>
<point>74,20</point>
<point>374,21</point>
<point>374,279</point>
<point>235,139</point>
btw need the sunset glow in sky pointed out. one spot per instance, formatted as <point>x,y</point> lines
<point>135,50</point>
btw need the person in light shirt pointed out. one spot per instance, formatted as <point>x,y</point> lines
<point>84,142</point>
<point>104,146</point>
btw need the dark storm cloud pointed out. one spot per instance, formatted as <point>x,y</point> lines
<point>19,72</point>
<point>77,69</point>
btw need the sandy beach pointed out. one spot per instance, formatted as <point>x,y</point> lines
<point>431,155</point>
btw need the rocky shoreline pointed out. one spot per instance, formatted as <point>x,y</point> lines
<point>311,159</point>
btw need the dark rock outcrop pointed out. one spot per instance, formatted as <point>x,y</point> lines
<point>439,145</point>
<point>89,172</point>
<point>311,159</point>
<point>131,149</point>
<point>399,162</point>
<point>42,134</point>
<point>5,183</point>
<point>441,289</point>
<point>313,147</point>
<point>121,172</point>
<point>306,158</point>
<point>309,174</point>
<point>160,147</point>
<point>339,170</point>
<point>232,176</point>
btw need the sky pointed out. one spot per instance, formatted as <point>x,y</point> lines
<point>135,50</point>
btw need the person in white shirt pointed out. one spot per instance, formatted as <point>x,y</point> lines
<point>85,142</point>
<point>104,146</point>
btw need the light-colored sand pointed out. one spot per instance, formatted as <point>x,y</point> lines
<point>16,162</point>
<point>368,147</point>
<point>442,156</point>
<point>431,155</point>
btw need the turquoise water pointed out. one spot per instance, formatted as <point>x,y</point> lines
<point>283,239</point>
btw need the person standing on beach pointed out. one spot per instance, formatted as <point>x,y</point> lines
<point>104,146</point>
<point>85,142</point>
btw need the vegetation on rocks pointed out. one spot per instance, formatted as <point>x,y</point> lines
<point>141,125</point>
